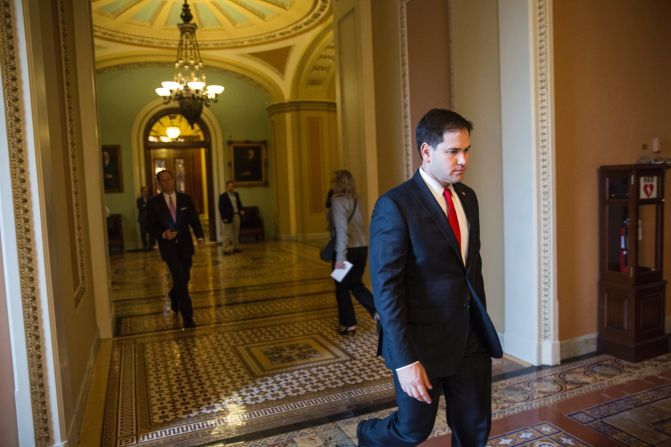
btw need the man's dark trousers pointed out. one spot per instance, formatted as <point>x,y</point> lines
<point>467,394</point>
<point>179,264</point>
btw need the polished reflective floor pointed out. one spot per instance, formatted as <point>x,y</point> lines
<point>264,361</point>
<point>266,366</point>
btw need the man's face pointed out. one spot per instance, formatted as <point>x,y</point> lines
<point>166,182</point>
<point>230,187</point>
<point>447,161</point>
<point>144,191</point>
<point>250,154</point>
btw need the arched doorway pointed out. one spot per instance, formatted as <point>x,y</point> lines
<point>170,143</point>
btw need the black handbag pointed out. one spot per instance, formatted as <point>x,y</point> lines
<point>327,252</point>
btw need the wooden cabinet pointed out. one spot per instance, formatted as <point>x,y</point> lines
<point>631,287</point>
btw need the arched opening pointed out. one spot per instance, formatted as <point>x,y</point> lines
<point>171,143</point>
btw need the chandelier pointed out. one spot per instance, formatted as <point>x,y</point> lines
<point>188,86</point>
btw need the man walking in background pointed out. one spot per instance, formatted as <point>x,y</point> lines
<point>141,204</point>
<point>230,208</point>
<point>169,216</point>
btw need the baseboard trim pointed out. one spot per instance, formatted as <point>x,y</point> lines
<point>73,430</point>
<point>574,347</point>
<point>303,237</point>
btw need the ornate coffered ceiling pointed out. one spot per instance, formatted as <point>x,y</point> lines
<point>274,42</point>
<point>221,23</point>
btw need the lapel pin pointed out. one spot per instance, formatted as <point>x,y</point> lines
<point>463,193</point>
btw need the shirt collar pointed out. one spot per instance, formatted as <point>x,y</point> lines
<point>432,183</point>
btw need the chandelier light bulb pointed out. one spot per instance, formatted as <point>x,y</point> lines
<point>162,91</point>
<point>215,89</point>
<point>196,85</point>
<point>170,85</point>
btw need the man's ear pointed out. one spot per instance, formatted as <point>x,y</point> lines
<point>425,151</point>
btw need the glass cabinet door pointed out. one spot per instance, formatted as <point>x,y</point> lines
<point>618,186</point>
<point>618,239</point>
<point>646,239</point>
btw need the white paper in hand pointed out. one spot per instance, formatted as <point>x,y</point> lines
<point>339,274</point>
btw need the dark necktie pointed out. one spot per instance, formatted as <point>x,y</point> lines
<point>452,215</point>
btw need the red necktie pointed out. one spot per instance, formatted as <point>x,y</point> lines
<point>452,215</point>
<point>172,208</point>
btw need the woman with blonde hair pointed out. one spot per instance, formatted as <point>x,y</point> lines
<point>351,245</point>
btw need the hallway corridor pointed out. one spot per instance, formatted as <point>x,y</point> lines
<point>266,367</point>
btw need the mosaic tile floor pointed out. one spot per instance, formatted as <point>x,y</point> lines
<point>266,367</point>
<point>265,358</point>
<point>540,409</point>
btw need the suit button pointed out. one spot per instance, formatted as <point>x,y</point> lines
<point>467,306</point>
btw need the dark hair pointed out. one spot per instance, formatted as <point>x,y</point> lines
<point>435,123</point>
<point>229,182</point>
<point>161,172</point>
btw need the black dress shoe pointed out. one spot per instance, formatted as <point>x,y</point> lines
<point>189,323</point>
<point>237,250</point>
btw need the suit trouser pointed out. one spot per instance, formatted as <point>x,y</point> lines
<point>468,398</point>
<point>232,234</point>
<point>180,269</point>
<point>353,282</point>
<point>147,239</point>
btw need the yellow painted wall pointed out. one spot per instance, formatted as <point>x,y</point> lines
<point>612,93</point>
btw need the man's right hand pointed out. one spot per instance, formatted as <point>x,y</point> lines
<point>169,234</point>
<point>414,382</point>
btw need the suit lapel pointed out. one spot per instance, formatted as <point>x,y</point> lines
<point>466,204</point>
<point>437,214</point>
<point>164,206</point>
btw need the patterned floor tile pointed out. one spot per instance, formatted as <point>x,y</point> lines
<point>539,435</point>
<point>641,419</point>
<point>265,363</point>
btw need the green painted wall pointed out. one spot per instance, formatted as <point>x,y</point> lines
<point>240,112</point>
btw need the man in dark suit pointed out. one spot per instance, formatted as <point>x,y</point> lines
<point>429,293</point>
<point>141,204</point>
<point>230,208</point>
<point>169,216</point>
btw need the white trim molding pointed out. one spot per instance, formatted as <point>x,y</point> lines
<point>545,147</point>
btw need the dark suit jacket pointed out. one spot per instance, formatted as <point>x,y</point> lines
<point>226,207</point>
<point>159,220</point>
<point>142,209</point>
<point>421,287</point>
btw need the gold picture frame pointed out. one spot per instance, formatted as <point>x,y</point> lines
<point>248,162</point>
<point>112,172</point>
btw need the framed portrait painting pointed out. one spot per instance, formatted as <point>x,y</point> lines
<point>248,163</point>
<point>112,178</point>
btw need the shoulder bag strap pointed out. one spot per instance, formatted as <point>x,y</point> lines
<point>349,219</point>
